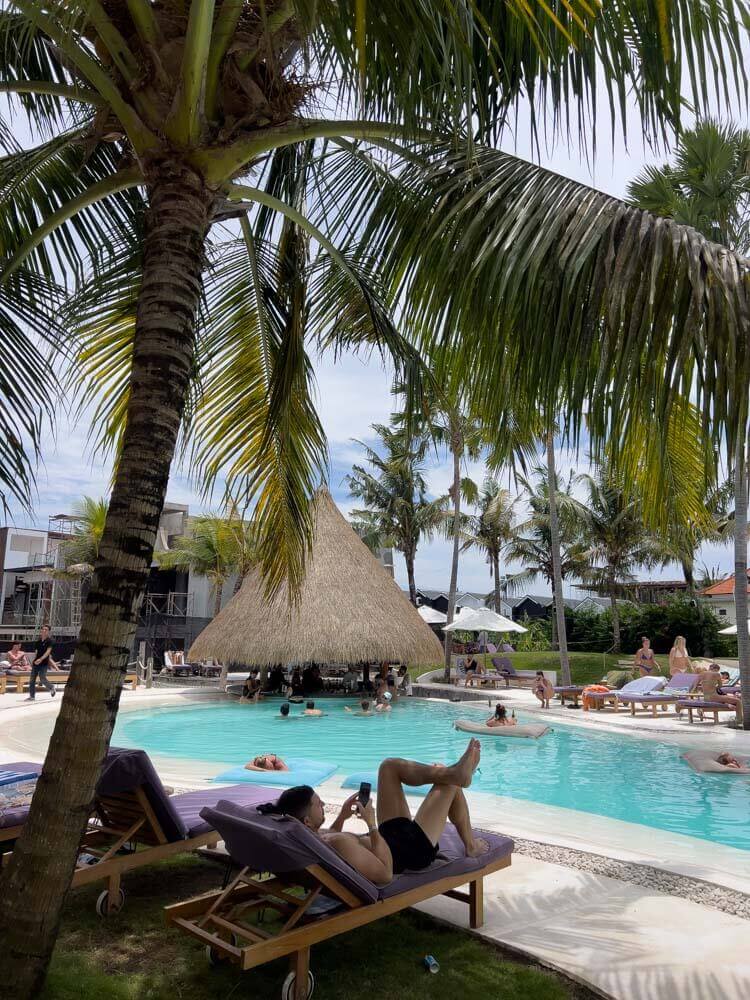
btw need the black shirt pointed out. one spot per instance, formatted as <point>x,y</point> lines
<point>41,648</point>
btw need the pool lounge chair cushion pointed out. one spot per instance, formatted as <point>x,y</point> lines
<point>19,771</point>
<point>281,844</point>
<point>705,762</point>
<point>710,706</point>
<point>678,687</point>
<point>302,771</point>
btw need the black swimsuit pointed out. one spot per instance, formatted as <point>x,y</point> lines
<point>410,846</point>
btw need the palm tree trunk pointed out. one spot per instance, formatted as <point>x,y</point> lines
<point>35,882</point>
<point>409,557</point>
<point>496,574</point>
<point>554,530</point>
<point>615,616</point>
<point>455,449</point>
<point>740,576</point>
<point>218,591</point>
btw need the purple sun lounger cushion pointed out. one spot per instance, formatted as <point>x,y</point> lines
<point>15,798</point>
<point>281,844</point>
<point>722,706</point>
<point>678,687</point>
<point>21,770</point>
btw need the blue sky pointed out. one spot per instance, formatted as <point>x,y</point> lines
<point>354,394</point>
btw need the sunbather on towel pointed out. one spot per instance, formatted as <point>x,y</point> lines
<point>395,842</point>
<point>266,762</point>
<point>500,718</point>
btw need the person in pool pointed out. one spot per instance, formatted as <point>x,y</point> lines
<point>364,708</point>
<point>543,689</point>
<point>500,717</point>
<point>266,762</point>
<point>310,709</point>
<point>284,710</point>
<point>645,660</point>
<point>728,760</point>
<point>395,841</point>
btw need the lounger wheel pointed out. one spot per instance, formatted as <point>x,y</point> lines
<point>287,990</point>
<point>106,909</point>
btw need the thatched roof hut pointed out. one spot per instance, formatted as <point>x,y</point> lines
<point>350,611</point>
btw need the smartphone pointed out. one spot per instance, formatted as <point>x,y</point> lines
<point>364,792</point>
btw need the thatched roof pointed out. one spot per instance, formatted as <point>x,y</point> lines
<point>350,610</point>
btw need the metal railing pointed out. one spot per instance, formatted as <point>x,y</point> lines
<point>173,604</point>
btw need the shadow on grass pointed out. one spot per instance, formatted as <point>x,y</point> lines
<point>135,956</point>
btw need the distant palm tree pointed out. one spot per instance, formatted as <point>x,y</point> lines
<point>532,542</point>
<point>615,537</point>
<point>90,516</point>
<point>397,511</point>
<point>708,187</point>
<point>491,528</point>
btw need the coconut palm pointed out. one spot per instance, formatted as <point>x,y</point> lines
<point>615,537</point>
<point>90,517</point>
<point>153,126</point>
<point>491,528</point>
<point>553,558</point>
<point>708,187</point>
<point>398,511</point>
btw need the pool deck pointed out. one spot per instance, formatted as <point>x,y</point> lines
<point>623,940</point>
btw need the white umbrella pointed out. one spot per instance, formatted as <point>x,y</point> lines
<point>431,616</point>
<point>483,620</point>
<point>732,630</point>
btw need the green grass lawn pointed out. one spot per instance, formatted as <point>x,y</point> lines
<point>585,668</point>
<point>135,956</point>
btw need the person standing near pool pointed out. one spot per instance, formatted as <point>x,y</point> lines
<point>679,658</point>
<point>543,689</point>
<point>41,663</point>
<point>645,660</point>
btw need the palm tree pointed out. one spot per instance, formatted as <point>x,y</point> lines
<point>90,517</point>
<point>156,123</point>
<point>491,528</point>
<point>615,537</point>
<point>397,510</point>
<point>708,187</point>
<point>534,545</point>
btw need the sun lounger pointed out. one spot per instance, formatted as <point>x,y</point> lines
<point>133,821</point>
<point>679,687</point>
<point>336,898</point>
<point>638,687</point>
<point>704,708</point>
<point>19,682</point>
<point>573,691</point>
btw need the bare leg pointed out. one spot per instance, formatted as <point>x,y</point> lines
<point>446,803</point>
<point>395,772</point>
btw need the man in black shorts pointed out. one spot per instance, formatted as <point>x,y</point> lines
<point>41,662</point>
<point>396,842</point>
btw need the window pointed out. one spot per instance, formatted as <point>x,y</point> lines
<point>722,612</point>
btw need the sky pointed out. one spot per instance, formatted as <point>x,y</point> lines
<point>353,394</point>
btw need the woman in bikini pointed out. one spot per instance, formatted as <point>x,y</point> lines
<point>645,660</point>
<point>500,718</point>
<point>266,762</point>
<point>679,658</point>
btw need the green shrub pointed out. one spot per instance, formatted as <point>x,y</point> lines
<point>538,637</point>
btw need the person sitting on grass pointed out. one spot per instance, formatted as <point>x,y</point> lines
<point>395,841</point>
<point>310,709</point>
<point>364,708</point>
<point>500,717</point>
<point>266,762</point>
<point>543,689</point>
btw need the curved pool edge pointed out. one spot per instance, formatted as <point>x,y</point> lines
<point>549,824</point>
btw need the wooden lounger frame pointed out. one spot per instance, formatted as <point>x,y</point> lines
<point>216,918</point>
<point>121,821</point>
<point>21,681</point>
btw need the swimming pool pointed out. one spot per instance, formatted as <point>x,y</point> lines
<point>623,777</point>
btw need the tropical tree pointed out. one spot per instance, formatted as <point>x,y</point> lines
<point>615,537</point>
<point>157,123</point>
<point>490,529</point>
<point>90,517</point>
<point>553,558</point>
<point>708,188</point>
<point>398,511</point>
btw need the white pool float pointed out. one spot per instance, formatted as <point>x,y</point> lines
<point>531,731</point>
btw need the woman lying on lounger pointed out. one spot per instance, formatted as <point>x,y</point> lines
<point>500,718</point>
<point>266,762</point>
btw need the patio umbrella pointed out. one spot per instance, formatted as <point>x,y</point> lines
<point>483,620</point>
<point>431,616</point>
<point>732,629</point>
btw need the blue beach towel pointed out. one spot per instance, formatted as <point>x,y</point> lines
<point>11,777</point>
<point>302,771</point>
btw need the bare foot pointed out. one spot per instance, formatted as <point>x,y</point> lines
<point>463,770</point>
<point>478,848</point>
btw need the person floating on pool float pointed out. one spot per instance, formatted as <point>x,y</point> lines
<point>310,709</point>
<point>543,689</point>
<point>266,762</point>
<point>728,760</point>
<point>364,708</point>
<point>645,660</point>
<point>395,841</point>
<point>500,718</point>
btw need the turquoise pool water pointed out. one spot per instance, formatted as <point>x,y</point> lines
<point>638,780</point>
